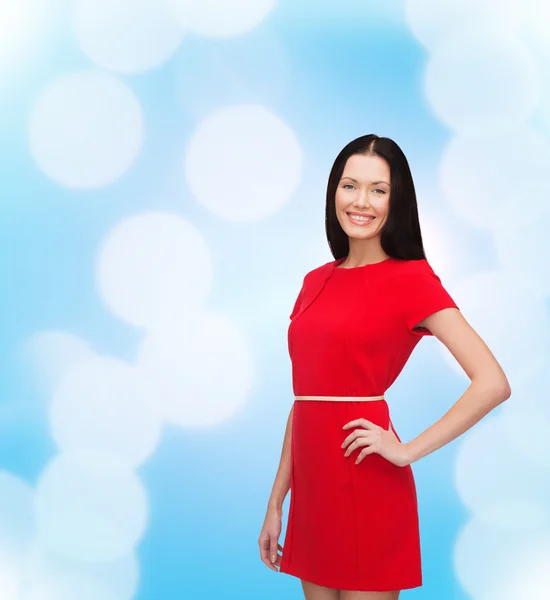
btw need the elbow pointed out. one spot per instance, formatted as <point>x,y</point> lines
<point>503,391</point>
<point>496,390</point>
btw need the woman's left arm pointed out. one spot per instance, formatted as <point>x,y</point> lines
<point>489,386</point>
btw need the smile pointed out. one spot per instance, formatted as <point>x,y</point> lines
<point>362,221</point>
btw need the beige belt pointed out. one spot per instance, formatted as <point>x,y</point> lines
<point>340,398</point>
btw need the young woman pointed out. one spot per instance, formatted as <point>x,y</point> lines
<point>352,531</point>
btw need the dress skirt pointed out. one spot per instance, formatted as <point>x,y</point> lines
<point>350,526</point>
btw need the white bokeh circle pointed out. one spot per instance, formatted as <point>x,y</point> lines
<point>17,26</point>
<point>490,470</point>
<point>485,556</point>
<point>484,177</point>
<point>197,375</point>
<point>153,268</point>
<point>243,163</point>
<point>51,354</point>
<point>432,21</point>
<point>44,568</point>
<point>444,245</point>
<point>528,576</point>
<point>85,129</point>
<point>510,317</point>
<point>520,242</point>
<point>90,508</point>
<point>17,522</point>
<point>10,578</point>
<point>127,36</point>
<point>220,18</point>
<point>68,588</point>
<point>482,80</point>
<point>99,405</point>
<point>528,410</point>
<point>229,72</point>
<point>58,578</point>
<point>533,24</point>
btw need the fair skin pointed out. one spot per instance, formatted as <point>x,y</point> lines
<point>365,188</point>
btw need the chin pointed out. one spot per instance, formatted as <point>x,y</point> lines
<point>365,236</point>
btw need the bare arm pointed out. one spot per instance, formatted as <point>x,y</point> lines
<point>488,388</point>
<point>281,484</point>
<point>271,529</point>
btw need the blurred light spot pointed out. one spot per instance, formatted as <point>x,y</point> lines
<point>220,17</point>
<point>507,314</point>
<point>16,28</point>
<point>432,21</point>
<point>17,523</point>
<point>234,71</point>
<point>69,588</point>
<point>520,240</point>
<point>153,268</point>
<point>86,129</point>
<point>53,353</point>
<point>100,406</point>
<point>485,558</point>
<point>126,35</point>
<point>243,163</point>
<point>490,470</point>
<point>534,23</point>
<point>482,80</point>
<point>48,572</point>
<point>484,177</point>
<point>197,375</point>
<point>10,578</point>
<point>90,508</point>
<point>528,411</point>
<point>528,577</point>
<point>444,247</point>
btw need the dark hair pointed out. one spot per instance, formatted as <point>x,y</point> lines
<point>400,236</point>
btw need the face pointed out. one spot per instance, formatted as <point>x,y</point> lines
<point>363,190</point>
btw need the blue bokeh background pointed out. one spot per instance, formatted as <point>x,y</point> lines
<point>331,72</point>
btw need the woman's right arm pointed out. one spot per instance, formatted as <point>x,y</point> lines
<point>271,530</point>
<point>281,484</point>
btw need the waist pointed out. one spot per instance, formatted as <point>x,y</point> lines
<point>342,398</point>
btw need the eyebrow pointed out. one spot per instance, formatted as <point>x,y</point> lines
<point>373,183</point>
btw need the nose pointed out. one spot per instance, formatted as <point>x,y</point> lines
<point>362,199</point>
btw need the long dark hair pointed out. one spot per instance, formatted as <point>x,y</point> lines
<point>400,236</point>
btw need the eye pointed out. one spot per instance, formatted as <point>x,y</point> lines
<point>380,190</point>
<point>347,184</point>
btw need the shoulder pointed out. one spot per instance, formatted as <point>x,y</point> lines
<point>413,267</point>
<point>320,271</point>
<point>410,270</point>
<point>411,275</point>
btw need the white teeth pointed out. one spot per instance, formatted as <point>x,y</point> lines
<point>356,218</point>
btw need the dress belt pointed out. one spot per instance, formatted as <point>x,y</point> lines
<point>341,398</point>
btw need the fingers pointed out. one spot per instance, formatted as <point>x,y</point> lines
<point>365,452</point>
<point>265,550</point>
<point>360,423</point>
<point>269,552</point>
<point>359,441</point>
<point>354,435</point>
<point>273,550</point>
<point>357,438</point>
<point>278,559</point>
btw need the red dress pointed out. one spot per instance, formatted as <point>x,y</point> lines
<point>353,527</point>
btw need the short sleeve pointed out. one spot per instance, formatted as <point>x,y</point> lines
<point>298,302</point>
<point>424,295</point>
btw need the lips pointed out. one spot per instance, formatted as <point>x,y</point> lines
<point>360,214</point>
<point>361,222</point>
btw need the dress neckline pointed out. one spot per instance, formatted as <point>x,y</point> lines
<point>338,261</point>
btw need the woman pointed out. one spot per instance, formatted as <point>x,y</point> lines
<point>352,531</point>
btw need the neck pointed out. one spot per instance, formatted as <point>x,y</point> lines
<point>360,258</point>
